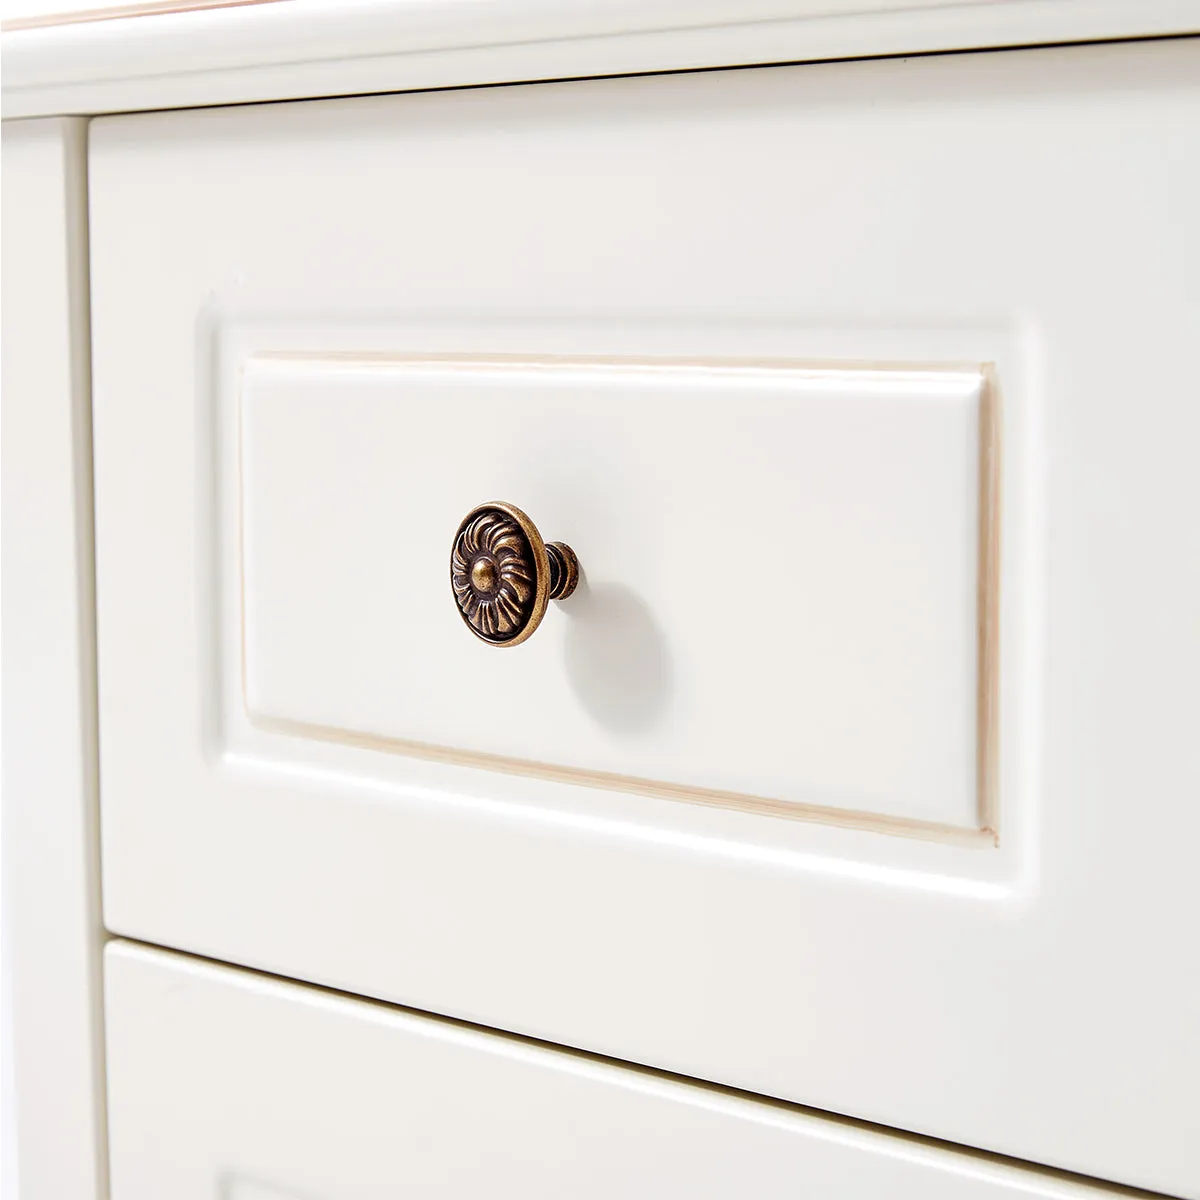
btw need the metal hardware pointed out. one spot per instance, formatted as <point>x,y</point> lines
<point>504,575</point>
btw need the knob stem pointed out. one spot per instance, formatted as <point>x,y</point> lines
<point>564,570</point>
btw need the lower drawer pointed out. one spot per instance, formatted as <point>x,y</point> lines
<point>228,1084</point>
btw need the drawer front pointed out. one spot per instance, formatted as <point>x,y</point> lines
<point>856,769</point>
<point>225,1085</point>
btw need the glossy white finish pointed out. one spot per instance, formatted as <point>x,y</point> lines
<point>51,889</point>
<point>229,1085</point>
<point>780,566</point>
<point>1033,210</point>
<point>344,47</point>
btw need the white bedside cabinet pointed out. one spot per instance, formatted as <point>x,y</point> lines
<point>834,831</point>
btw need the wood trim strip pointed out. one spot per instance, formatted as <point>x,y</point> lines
<point>988,607</point>
<point>120,12</point>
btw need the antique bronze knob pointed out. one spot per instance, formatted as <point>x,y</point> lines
<point>504,575</point>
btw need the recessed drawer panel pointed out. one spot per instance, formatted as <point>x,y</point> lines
<point>782,566</point>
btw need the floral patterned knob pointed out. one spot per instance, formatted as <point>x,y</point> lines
<point>504,575</point>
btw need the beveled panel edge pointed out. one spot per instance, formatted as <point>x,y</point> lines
<point>609,781</point>
<point>987,608</point>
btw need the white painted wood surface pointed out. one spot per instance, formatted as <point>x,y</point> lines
<point>781,566</point>
<point>1033,210</point>
<point>51,900</point>
<point>291,50</point>
<point>226,1084</point>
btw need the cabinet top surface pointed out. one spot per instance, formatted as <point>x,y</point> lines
<point>94,56</point>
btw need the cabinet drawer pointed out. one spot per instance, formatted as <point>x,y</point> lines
<point>856,771</point>
<point>228,1085</point>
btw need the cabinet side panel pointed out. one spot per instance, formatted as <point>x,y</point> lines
<point>53,930</point>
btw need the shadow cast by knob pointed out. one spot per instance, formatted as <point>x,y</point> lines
<point>617,659</point>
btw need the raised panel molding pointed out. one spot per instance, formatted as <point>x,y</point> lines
<point>820,538</point>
